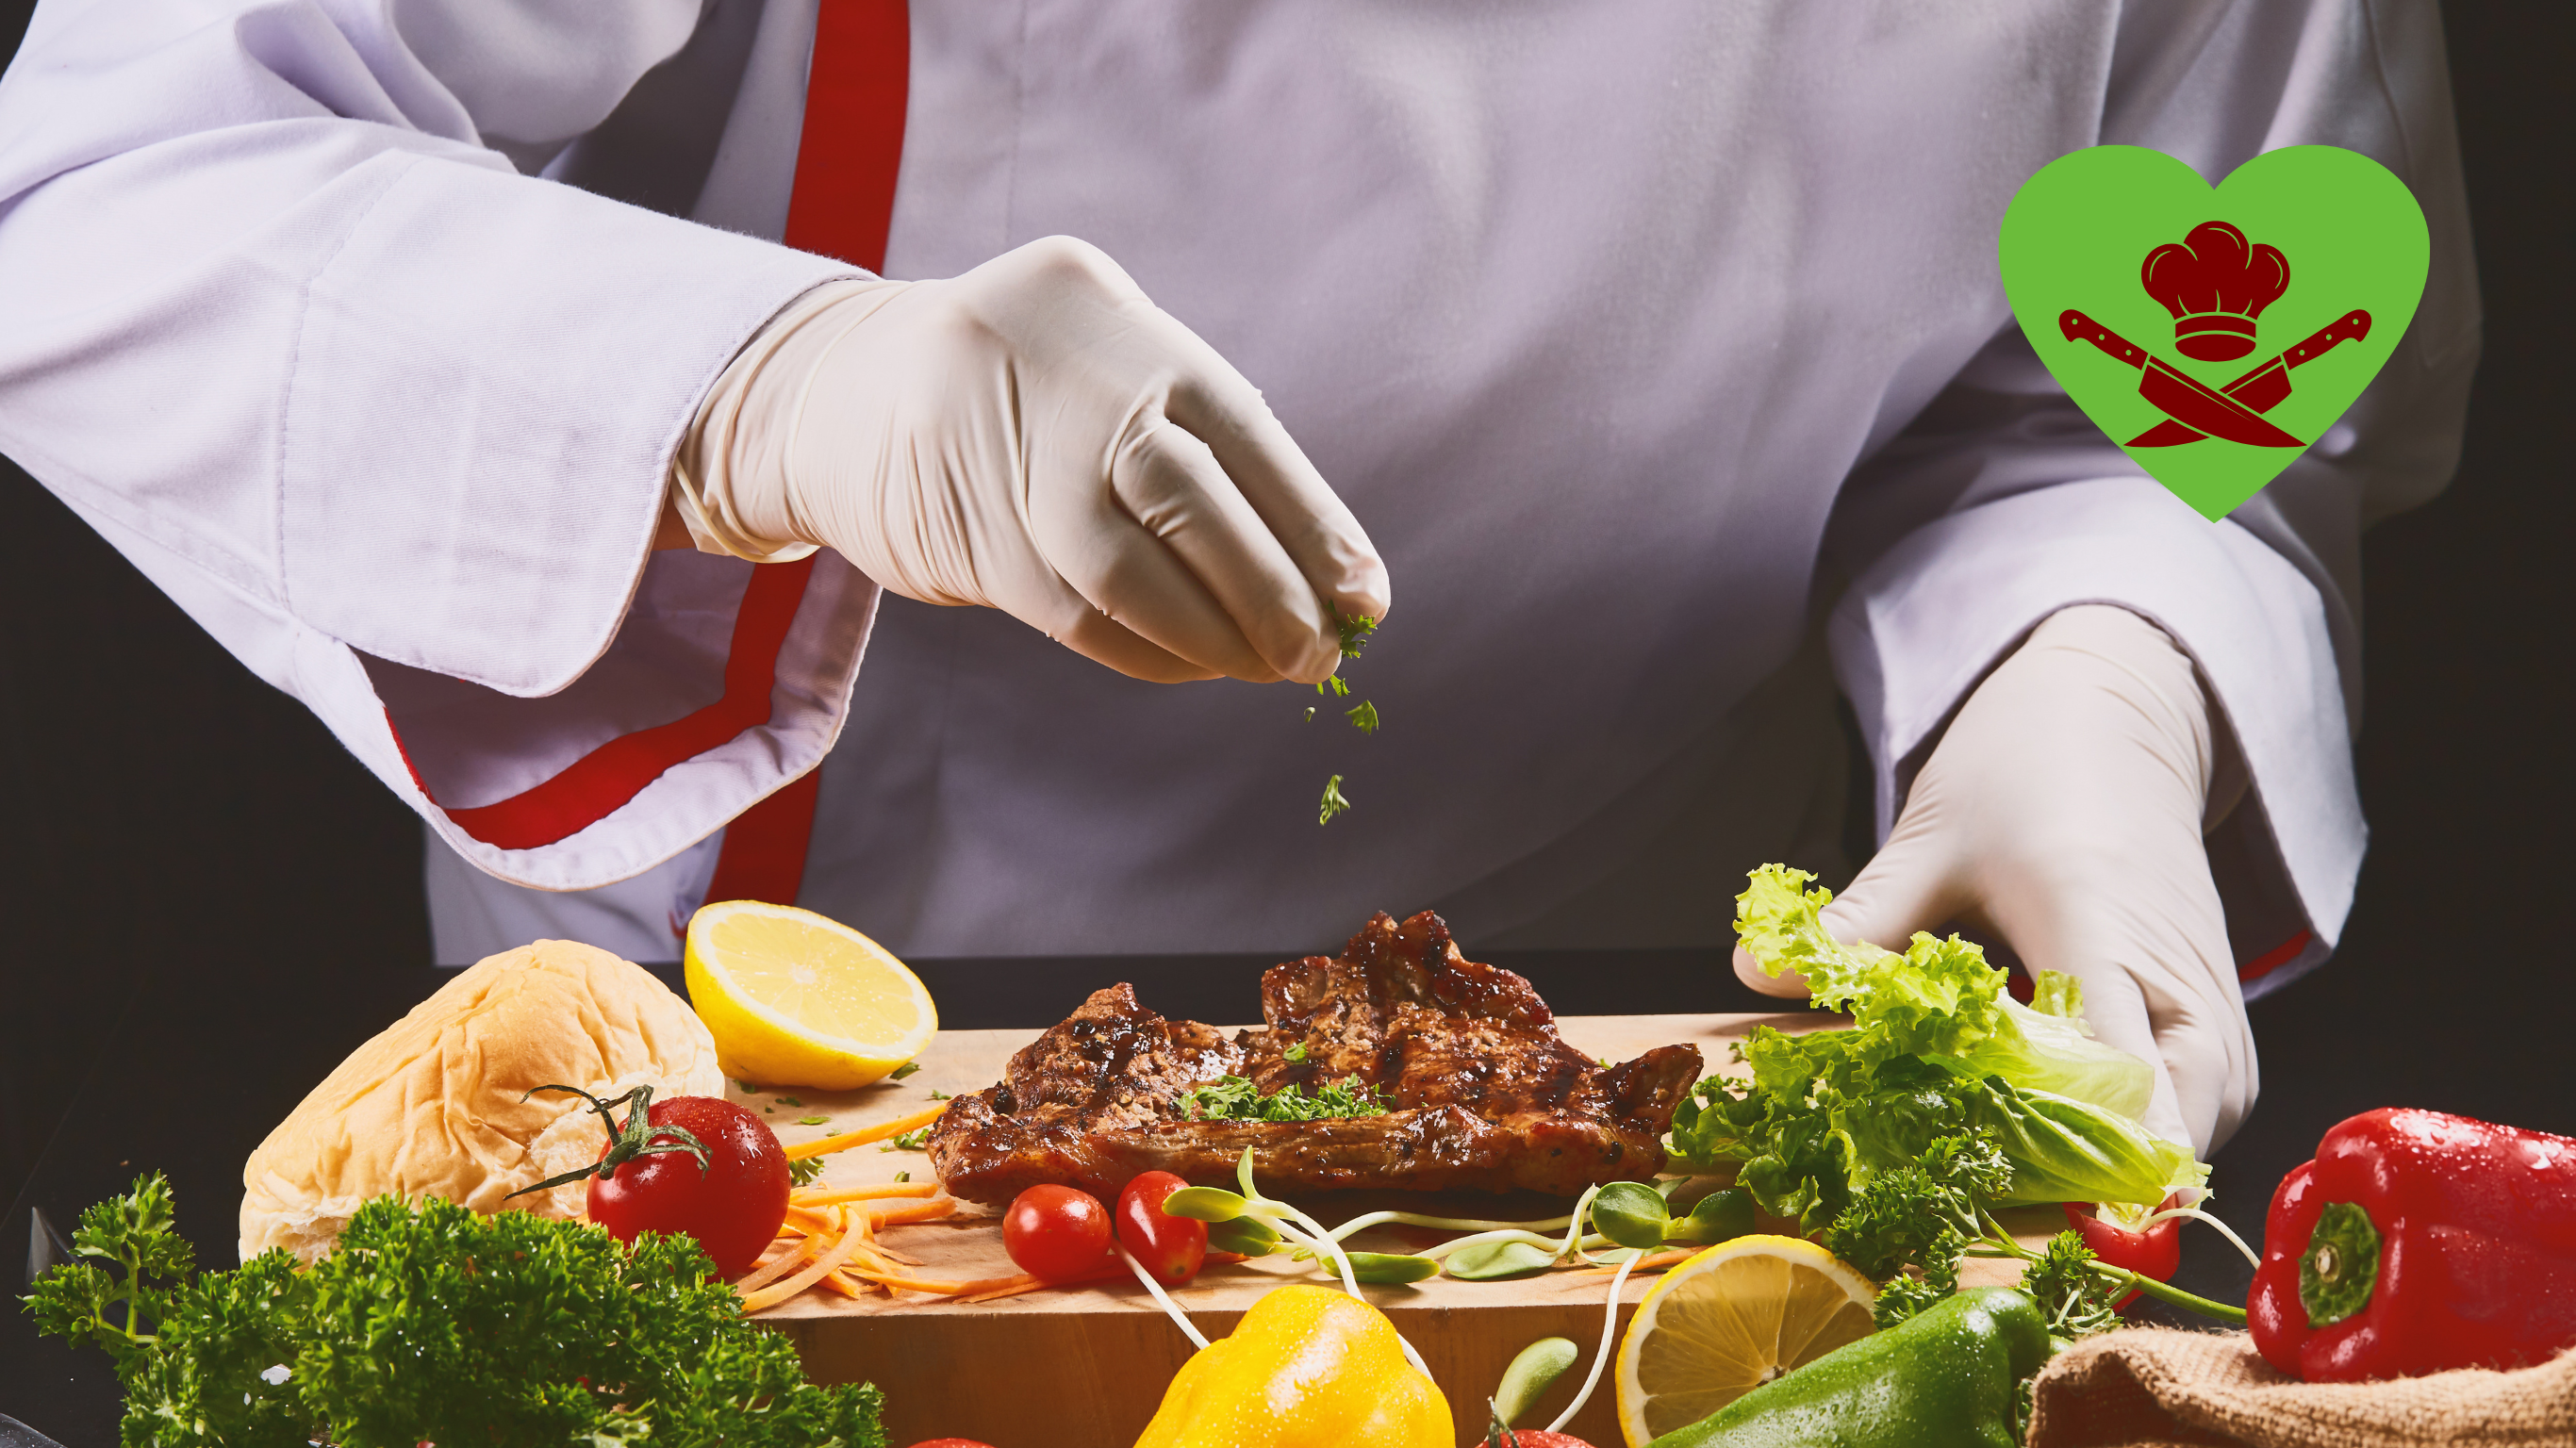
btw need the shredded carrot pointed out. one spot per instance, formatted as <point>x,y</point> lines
<point>879,1132</point>
<point>1013,1286</point>
<point>826,1221</point>
<point>920,1212</point>
<point>778,1266</point>
<point>822,1267</point>
<point>939,1288</point>
<point>1017,1286</point>
<point>845,1286</point>
<point>810,1197</point>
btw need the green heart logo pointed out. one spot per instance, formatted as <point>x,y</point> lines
<point>2214,334</point>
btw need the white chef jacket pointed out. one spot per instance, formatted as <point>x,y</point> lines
<point>1658,345</point>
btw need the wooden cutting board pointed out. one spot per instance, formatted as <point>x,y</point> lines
<point>1085,1367</point>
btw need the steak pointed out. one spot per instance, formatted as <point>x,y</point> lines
<point>1480,1092</point>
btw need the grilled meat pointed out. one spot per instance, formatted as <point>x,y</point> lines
<point>1481,1093</point>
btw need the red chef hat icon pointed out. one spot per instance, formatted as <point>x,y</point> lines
<point>2215,283</point>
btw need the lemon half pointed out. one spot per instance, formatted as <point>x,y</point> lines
<point>797,999</point>
<point>1729,1320</point>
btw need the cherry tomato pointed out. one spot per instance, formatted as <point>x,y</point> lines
<point>1056,1233</point>
<point>2155,1252</point>
<point>1170,1247</point>
<point>733,1207</point>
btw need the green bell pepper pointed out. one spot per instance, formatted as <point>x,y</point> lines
<point>1946,1376</point>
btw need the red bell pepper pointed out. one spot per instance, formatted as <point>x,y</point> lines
<point>2155,1252</point>
<point>2417,1242</point>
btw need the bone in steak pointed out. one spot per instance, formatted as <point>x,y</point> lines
<point>1481,1092</point>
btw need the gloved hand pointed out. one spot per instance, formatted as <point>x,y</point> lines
<point>1035,436</point>
<point>2063,811</point>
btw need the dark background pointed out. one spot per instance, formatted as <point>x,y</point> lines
<point>193,873</point>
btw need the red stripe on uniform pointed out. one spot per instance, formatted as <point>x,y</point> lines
<point>851,150</point>
<point>852,145</point>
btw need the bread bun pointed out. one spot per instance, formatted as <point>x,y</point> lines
<point>431,1107</point>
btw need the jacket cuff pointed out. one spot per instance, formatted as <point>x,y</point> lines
<point>728,681</point>
<point>1924,625</point>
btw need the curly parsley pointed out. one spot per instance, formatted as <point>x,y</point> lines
<point>2070,1289</point>
<point>432,1323</point>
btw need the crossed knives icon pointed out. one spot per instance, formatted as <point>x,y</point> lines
<point>2193,409</point>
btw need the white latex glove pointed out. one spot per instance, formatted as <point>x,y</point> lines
<point>1038,437</point>
<point>2063,811</point>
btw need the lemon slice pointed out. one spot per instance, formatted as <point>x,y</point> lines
<point>1729,1320</point>
<point>796,999</point>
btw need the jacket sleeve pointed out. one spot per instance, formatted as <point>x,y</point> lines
<point>281,316</point>
<point>2002,503</point>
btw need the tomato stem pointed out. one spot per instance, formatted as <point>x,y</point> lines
<point>627,1140</point>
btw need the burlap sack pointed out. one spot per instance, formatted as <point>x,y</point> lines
<point>2147,1387</point>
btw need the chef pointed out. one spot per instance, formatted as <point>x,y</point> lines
<point>918,460</point>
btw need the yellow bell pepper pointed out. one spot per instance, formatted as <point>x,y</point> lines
<point>1307,1366</point>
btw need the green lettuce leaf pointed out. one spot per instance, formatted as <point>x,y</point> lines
<point>2064,1150</point>
<point>2055,993</point>
<point>2057,1054</point>
<point>1939,998</point>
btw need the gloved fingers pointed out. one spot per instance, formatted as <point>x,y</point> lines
<point>1911,884</point>
<point>2117,1010</point>
<point>2192,1049</point>
<point>1104,640</point>
<point>1046,601</point>
<point>1905,887</point>
<point>1171,485</point>
<point>1225,411</point>
<point>2202,1036</point>
<point>1788,985</point>
<point>1127,573</point>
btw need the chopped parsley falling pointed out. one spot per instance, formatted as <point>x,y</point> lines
<point>1355,634</point>
<point>812,1120</point>
<point>906,1069</point>
<point>909,1141</point>
<point>1334,801</point>
<point>805,1171</point>
<point>1296,1052</point>
<point>1235,1098</point>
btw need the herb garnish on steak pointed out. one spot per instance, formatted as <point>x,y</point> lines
<point>1480,1092</point>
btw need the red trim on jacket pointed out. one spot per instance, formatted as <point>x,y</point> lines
<point>856,88</point>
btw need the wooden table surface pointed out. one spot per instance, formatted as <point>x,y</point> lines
<point>1084,1367</point>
